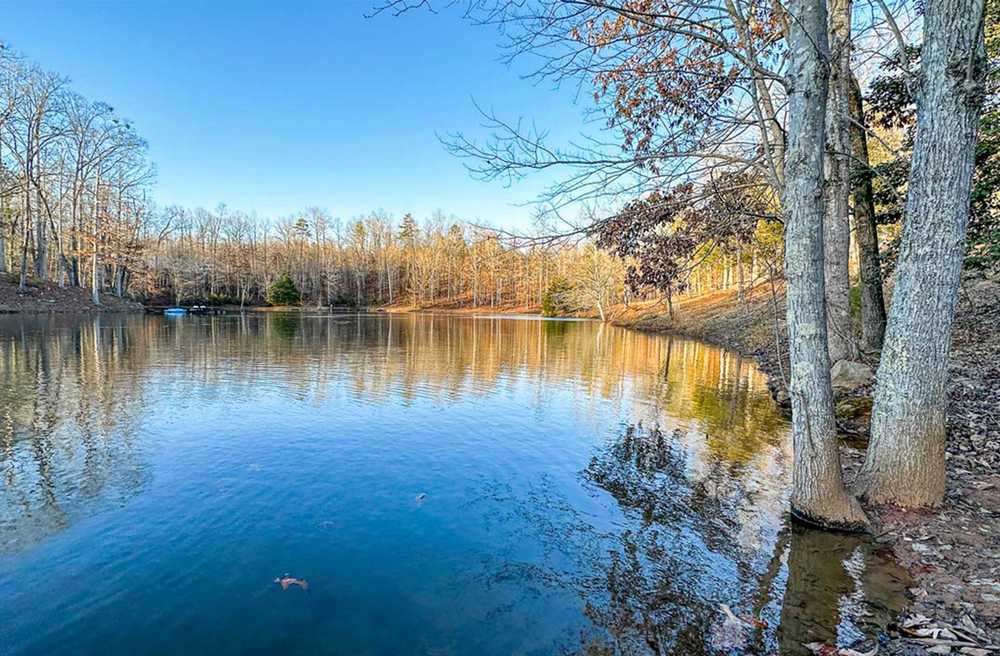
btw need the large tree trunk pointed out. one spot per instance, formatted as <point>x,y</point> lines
<point>866,231</point>
<point>836,225</point>
<point>905,464</point>
<point>120,277</point>
<point>818,493</point>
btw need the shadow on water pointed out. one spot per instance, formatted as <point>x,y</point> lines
<point>585,489</point>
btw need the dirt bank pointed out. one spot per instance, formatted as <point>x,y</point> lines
<point>953,553</point>
<point>47,297</point>
<point>463,307</point>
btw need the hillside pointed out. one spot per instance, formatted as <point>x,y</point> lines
<point>48,297</point>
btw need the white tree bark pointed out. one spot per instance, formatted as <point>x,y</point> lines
<point>836,225</point>
<point>905,464</point>
<point>818,493</point>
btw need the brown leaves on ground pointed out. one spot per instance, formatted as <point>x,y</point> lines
<point>46,297</point>
<point>943,638</point>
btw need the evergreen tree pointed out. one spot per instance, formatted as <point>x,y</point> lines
<point>283,292</point>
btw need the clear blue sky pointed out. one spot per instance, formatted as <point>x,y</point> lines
<point>274,106</point>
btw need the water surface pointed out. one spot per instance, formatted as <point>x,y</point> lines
<point>446,485</point>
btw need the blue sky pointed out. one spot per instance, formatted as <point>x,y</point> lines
<point>275,106</point>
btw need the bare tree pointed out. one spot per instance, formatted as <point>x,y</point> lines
<point>836,224</point>
<point>866,231</point>
<point>818,492</point>
<point>905,463</point>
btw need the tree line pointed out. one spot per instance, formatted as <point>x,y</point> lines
<point>232,257</point>
<point>74,180</point>
<point>723,115</point>
<point>76,209</point>
<point>742,136</point>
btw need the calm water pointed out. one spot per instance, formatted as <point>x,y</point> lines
<point>446,485</point>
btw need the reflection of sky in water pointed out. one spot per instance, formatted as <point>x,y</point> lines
<point>588,489</point>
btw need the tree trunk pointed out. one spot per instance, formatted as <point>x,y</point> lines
<point>836,225</point>
<point>95,283</point>
<point>739,275</point>
<point>120,281</point>
<point>3,226</point>
<point>905,463</point>
<point>818,493</point>
<point>41,246</point>
<point>22,282</point>
<point>866,232</point>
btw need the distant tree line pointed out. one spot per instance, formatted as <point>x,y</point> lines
<point>723,115</point>
<point>76,210</point>
<point>231,257</point>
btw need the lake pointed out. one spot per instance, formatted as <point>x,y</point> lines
<point>445,485</point>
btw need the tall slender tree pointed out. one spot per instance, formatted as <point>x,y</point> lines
<point>866,230</point>
<point>836,227</point>
<point>818,492</point>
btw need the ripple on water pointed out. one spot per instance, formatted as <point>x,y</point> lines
<point>477,485</point>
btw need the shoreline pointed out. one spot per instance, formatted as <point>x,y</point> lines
<point>950,552</point>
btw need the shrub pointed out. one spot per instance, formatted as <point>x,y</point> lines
<point>283,292</point>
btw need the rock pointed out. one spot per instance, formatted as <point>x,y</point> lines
<point>847,375</point>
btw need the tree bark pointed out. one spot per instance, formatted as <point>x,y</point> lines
<point>836,225</point>
<point>866,231</point>
<point>3,223</point>
<point>41,245</point>
<point>905,463</point>
<point>22,281</point>
<point>3,232</point>
<point>95,281</point>
<point>818,493</point>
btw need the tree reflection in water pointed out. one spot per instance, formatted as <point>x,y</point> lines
<point>668,518</point>
<point>654,583</point>
<point>68,409</point>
